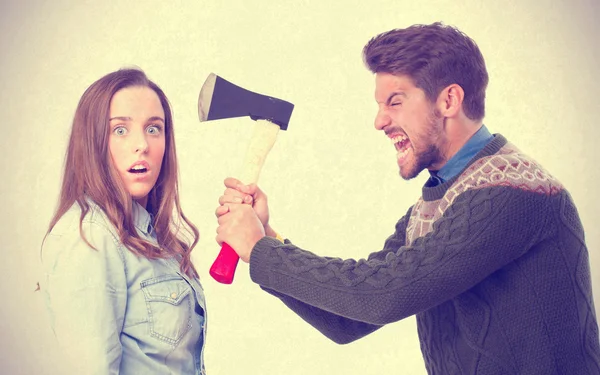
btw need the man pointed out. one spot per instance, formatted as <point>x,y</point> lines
<point>491,258</point>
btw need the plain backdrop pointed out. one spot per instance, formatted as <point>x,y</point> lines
<point>332,180</point>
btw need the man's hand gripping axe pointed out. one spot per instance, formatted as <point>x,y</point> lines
<point>220,99</point>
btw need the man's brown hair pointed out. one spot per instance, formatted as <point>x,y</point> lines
<point>434,57</point>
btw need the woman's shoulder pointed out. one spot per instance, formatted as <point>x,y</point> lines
<point>94,220</point>
<point>83,254</point>
<point>95,231</point>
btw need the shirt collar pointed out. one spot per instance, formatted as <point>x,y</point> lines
<point>459,161</point>
<point>142,219</point>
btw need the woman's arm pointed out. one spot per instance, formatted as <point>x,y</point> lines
<point>86,295</point>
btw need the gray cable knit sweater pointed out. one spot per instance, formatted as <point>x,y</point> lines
<point>493,263</point>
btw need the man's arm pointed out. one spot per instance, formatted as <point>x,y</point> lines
<point>480,232</point>
<point>395,241</point>
<point>335,327</point>
<point>338,328</point>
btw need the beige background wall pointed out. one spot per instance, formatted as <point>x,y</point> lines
<point>332,179</point>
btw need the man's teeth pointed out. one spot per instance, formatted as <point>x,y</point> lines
<point>398,139</point>
<point>402,154</point>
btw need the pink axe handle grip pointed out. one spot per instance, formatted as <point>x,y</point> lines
<point>223,268</point>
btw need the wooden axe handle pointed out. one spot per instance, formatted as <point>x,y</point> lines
<point>263,138</point>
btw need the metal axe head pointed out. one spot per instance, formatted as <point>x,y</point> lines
<point>220,99</point>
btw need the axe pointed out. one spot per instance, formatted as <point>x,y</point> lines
<point>221,99</point>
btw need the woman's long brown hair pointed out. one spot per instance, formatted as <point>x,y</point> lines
<point>89,174</point>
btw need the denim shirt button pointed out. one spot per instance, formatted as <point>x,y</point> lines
<point>173,295</point>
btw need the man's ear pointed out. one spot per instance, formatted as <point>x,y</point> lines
<point>450,100</point>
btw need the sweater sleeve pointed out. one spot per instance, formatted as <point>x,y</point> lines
<point>395,241</point>
<point>338,328</point>
<point>335,327</point>
<point>479,233</point>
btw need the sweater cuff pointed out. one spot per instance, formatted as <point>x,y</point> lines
<point>259,260</point>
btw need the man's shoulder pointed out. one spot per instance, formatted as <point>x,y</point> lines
<point>508,167</point>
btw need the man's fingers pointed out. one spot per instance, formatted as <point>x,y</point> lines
<point>249,189</point>
<point>238,185</point>
<point>226,198</point>
<point>222,219</point>
<point>256,192</point>
<point>221,210</point>
<point>231,182</point>
<point>233,194</point>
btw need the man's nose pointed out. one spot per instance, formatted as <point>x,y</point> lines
<point>382,120</point>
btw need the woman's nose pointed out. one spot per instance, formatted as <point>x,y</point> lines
<point>140,144</point>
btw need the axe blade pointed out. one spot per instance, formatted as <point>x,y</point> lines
<point>221,99</point>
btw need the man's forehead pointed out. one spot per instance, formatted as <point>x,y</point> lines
<point>385,80</point>
<point>386,84</point>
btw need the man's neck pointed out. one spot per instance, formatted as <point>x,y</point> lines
<point>457,134</point>
<point>462,157</point>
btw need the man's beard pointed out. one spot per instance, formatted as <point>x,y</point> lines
<point>431,154</point>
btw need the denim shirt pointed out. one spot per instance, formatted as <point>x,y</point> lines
<point>117,313</point>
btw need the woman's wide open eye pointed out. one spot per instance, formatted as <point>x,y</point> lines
<point>120,130</point>
<point>154,129</point>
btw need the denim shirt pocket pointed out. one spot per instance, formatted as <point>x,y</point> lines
<point>169,306</point>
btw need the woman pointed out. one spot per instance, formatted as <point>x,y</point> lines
<point>122,292</point>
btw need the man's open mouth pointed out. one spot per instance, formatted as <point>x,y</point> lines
<point>401,143</point>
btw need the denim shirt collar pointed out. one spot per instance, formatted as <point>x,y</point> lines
<point>142,219</point>
<point>460,160</point>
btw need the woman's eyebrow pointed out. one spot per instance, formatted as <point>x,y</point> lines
<point>122,118</point>
<point>125,118</point>
<point>156,118</point>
